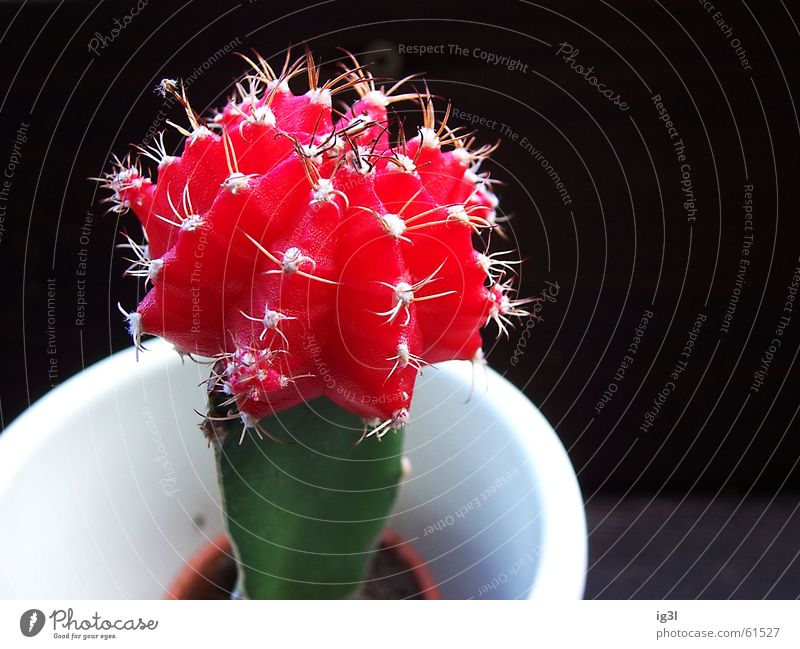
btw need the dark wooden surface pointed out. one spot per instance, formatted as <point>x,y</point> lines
<point>668,547</point>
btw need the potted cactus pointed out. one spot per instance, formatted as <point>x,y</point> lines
<point>316,259</point>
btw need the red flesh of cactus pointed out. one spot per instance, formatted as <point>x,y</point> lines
<point>310,256</point>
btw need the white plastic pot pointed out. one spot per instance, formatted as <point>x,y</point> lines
<point>107,486</point>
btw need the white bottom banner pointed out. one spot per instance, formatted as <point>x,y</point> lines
<point>401,624</point>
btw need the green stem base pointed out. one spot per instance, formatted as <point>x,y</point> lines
<point>304,516</point>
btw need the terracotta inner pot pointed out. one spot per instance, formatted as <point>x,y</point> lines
<point>397,572</point>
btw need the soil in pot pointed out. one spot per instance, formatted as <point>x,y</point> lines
<point>397,572</point>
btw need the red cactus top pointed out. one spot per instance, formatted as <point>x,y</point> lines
<point>308,254</point>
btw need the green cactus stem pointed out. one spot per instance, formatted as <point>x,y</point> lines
<point>304,513</point>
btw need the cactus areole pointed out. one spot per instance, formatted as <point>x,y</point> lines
<point>314,252</point>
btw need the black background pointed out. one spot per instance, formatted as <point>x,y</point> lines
<point>623,246</point>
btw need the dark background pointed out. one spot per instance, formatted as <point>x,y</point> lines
<point>703,503</point>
